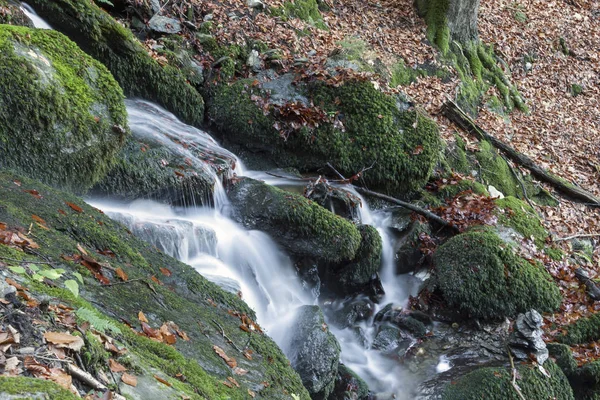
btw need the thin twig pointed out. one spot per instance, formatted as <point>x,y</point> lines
<point>225,336</point>
<point>513,372</point>
<point>25,261</point>
<point>85,377</point>
<point>124,282</point>
<point>577,236</point>
<point>518,178</point>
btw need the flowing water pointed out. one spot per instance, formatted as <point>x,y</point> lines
<point>246,261</point>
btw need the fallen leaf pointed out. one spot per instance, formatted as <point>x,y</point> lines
<point>165,271</point>
<point>34,193</point>
<point>229,360</point>
<point>251,393</point>
<point>38,219</point>
<point>230,379</point>
<point>115,366</point>
<point>161,380</point>
<point>121,274</point>
<point>240,371</point>
<point>155,280</point>
<point>81,249</point>
<point>129,379</point>
<point>75,207</point>
<point>142,317</point>
<point>65,340</point>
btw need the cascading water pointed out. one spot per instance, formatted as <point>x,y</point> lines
<point>248,262</point>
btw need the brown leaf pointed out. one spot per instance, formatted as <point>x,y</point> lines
<point>229,360</point>
<point>230,379</point>
<point>38,219</point>
<point>165,272</point>
<point>81,249</point>
<point>129,379</point>
<point>121,274</point>
<point>115,366</point>
<point>156,280</point>
<point>34,193</point>
<point>74,207</point>
<point>64,340</point>
<point>240,371</point>
<point>60,377</point>
<point>13,283</point>
<point>161,380</point>
<point>251,393</point>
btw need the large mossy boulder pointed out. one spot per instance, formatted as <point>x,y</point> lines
<point>314,352</point>
<point>165,160</point>
<point>99,35</point>
<point>62,116</point>
<point>379,131</point>
<point>302,227</point>
<point>198,307</point>
<point>494,383</point>
<point>480,274</point>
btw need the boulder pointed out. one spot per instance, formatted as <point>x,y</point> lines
<point>299,225</point>
<point>349,386</point>
<point>480,274</point>
<point>184,297</point>
<point>337,200</point>
<point>314,352</point>
<point>366,128</point>
<point>105,39</point>
<point>11,14</point>
<point>526,339</point>
<point>161,24</point>
<point>165,160</point>
<point>352,312</point>
<point>407,253</point>
<point>62,116</point>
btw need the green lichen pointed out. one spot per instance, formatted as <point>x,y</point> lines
<point>402,146</point>
<point>30,389</point>
<point>521,217</point>
<point>99,35</point>
<point>481,275</point>
<point>58,109</point>
<point>494,383</point>
<point>306,10</point>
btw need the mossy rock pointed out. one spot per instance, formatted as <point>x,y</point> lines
<point>165,160</point>
<point>481,275</point>
<point>21,388</point>
<point>306,10</point>
<point>494,383</point>
<point>348,385</point>
<point>519,215</point>
<point>62,116</point>
<point>99,35</point>
<point>400,144</point>
<point>582,331</point>
<point>355,277</point>
<point>11,14</point>
<point>184,297</point>
<point>299,225</point>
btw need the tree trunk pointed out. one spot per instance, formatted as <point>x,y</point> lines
<point>449,20</point>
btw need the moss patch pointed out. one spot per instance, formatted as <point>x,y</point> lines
<point>99,35</point>
<point>62,116</point>
<point>31,388</point>
<point>582,331</point>
<point>481,275</point>
<point>306,10</point>
<point>494,383</point>
<point>521,217</point>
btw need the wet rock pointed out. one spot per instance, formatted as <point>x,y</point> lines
<point>349,386</point>
<point>392,340</point>
<point>300,226</point>
<point>400,219</point>
<point>337,200</point>
<point>407,255</point>
<point>411,322</point>
<point>161,24</point>
<point>357,310</point>
<point>314,352</point>
<point>309,274</point>
<point>526,339</point>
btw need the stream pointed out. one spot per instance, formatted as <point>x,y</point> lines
<point>249,261</point>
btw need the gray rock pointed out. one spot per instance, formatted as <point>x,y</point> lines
<point>337,200</point>
<point>255,4</point>
<point>527,339</point>
<point>349,386</point>
<point>155,5</point>
<point>161,24</point>
<point>314,352</point>
<point>254,61</point>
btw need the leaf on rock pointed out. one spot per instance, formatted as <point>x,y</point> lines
<point>142,317</point>
<point>115,366</point>
<point>121,274</point>
<point>74,207</point>
<point>65,340</point>
<point>161,380</point>
<point>129,379</point>
<point>165,272</point>
<point>229,360</point>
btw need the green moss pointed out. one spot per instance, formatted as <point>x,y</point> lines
<point>449,191</point>
<point>185,297</point>
<point>31,388</point>
<point>306,10</point>
<point>99,35</point>
<point>402,146</point>
<point>583,330</point>
<point>521,217</point>
<point>576,90</point>
<point>554,253</point>
<point>438,31</point>
<point>481,275</point>
<point>494,383</point>
<point>402,75</point>
<point>57,109</point>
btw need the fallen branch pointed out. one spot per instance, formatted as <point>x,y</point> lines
<point>592,288</point>
<point>421,211</point>
<point>577,236</point>
<point>84,377</point>
<point>453,112</point>
<point>513,372</point>
<point>225,336</point>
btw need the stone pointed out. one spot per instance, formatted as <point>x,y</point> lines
<point>161,24</point>
<point>314,352</point>
<point>337,200</point>
<point>526,338</point>
<point>254,61</point>
<point>255,4</point>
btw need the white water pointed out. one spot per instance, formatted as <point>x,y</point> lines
<point>249,261</point>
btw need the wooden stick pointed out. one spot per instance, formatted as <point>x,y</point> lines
<point>577,236</point>
<point>85,377</point>
<point>454,113</point>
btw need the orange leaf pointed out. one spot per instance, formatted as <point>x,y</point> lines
<point>165,272</point>
<point>12,282</point>
<point>34,193</point>
<point>121,274</point>
<point>75,207</point>
<point>229,360</point>
<point>129,379</point>
<point>142,317</point>
<point>38,219</point>
<point>155,280</point>
<point>161,380</point>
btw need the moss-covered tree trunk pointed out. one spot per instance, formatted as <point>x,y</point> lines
<point>449,20</point>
